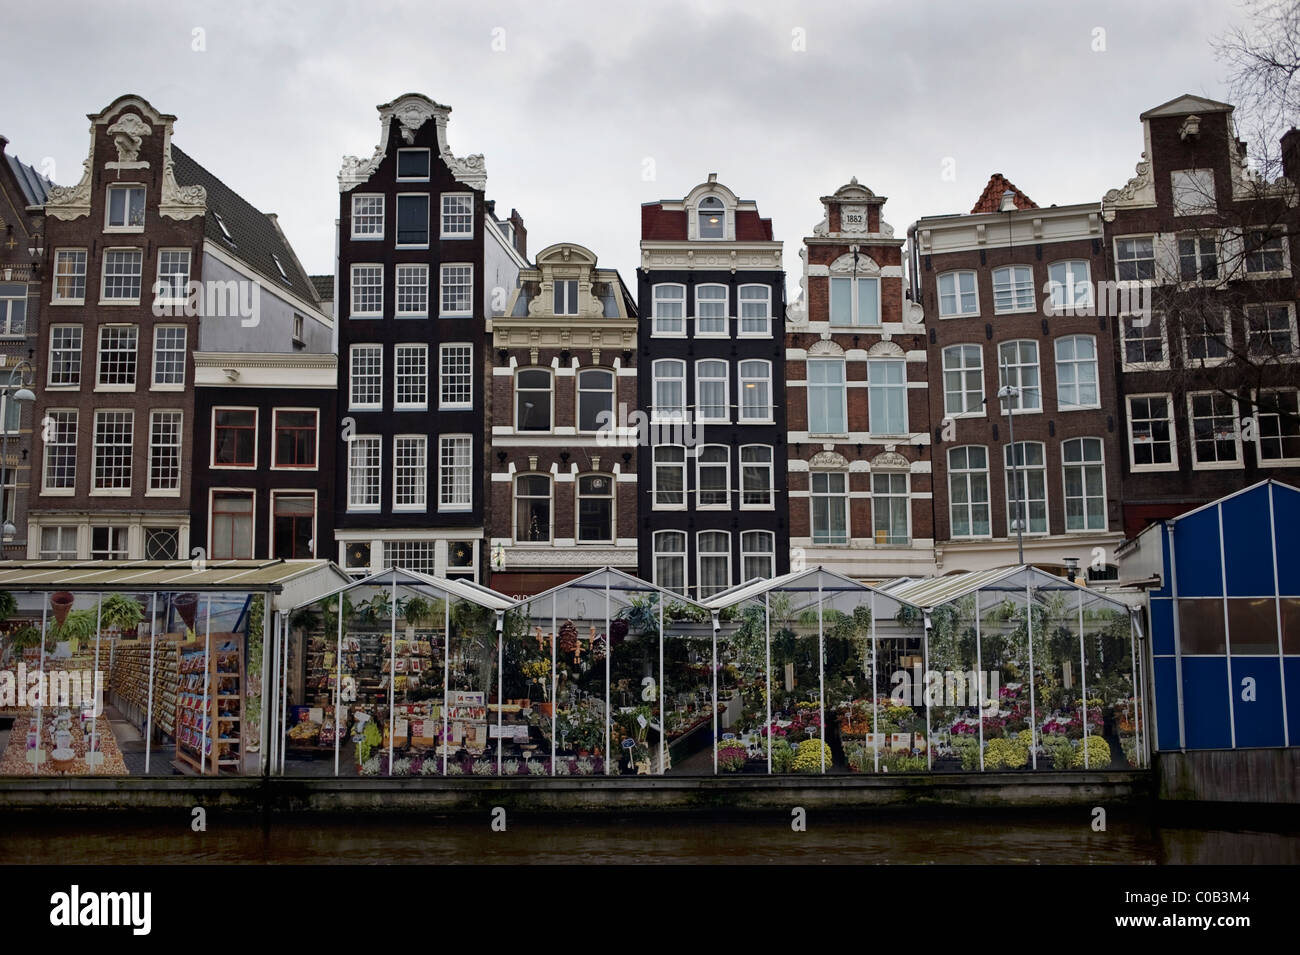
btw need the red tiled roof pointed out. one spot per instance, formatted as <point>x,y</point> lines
<point>991,199</point>
<point>659,223</point>
<point>750,227</point>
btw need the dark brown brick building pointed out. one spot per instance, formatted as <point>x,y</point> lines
<point>1010,283</point>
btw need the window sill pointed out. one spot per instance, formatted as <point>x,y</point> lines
<point>469,407</point>
<point>67,301</point>
<point>110,492</point>
<point>960,315</point>
<point>64,388</point>
<point>175,493</point>
<point>1066,409</point>
<point>454,236</point>
<point>119,301</point>
<point>1016,311</point>
<point>401,316</point>
<point>171,388</point>
<point>295,467</point>
<point>455,314</point>
<point>409,247</point>
<point>371,316</point>
<point>59,492</point>
<point>1145,366</point>
<point>123,229</point>
<point>1152,468</point>
<point>756,421</point>
<point>368,238</point>
<point>363,510</point>
<point>1279,462</point>
<point>233,467</point>
<point>455,508</point>
<point>115,389</point>
<point>399,408</point>
<point>1218,466</point>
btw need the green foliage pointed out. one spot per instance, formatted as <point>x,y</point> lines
<point>968,748</point>
<point>904,763</point>
<point>685,613</point>
<point>642,614</point>
<point>8,605</point>
<point>25,637</point>
<point>782,756</point>
<point>1060,749</point>
<point>121,611</point>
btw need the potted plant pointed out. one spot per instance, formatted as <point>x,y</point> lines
<point>76,626</point>
<point>416,611</point>
<point>122,613</point>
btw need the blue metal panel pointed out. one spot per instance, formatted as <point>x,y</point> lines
<point>1259,723</point>
<point>1247,544</point>
<point>1197,541</point>
<point>1291,667</point>
<point>1286,520</point>
<point>1162,541</point>
<point>1205,703</point>
<point>1166,691</point>
<point>1162,625</point>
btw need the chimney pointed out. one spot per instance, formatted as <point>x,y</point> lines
<point>521,234</point>
<point>1291,154</point>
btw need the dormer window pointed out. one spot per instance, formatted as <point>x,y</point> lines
<point>412,164</point>
<point>566,297</point>
<point>125,207</point>
<point>280,265</point>
<point>713,218</point>
<point>224,231</point>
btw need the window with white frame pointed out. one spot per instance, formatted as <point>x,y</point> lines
<point>1018,368</point>
<point>59,543</point>
<point>232,525</point>
<point>455,472</point>
<point>712,218</point>
<point>532,508</point>
<point>9,481</point>
<point>1070,285</point>
<point>1076,372</point>
<point>1085,484</point>
<point>412,164</point>
<point>117,355</point>
<point>173,276</point>
<point>125,208</point>
<point>293,525</point>
<point>711,310</point>
<point>669,389</point>
<point>60,465</point>
<point>366,377</point>
<point>829,506</point>
<point>827,396</point>
<point>887,396</point>
<point>957,294</point>
<point>1151,430</point>
<point>595,508</point>
<point>1198,258</point>
<point>889,508</point>
<point>1193,191</point>
<point>12,417</point>
<point>713,549</point>
<point>533,399</point>
<point>165,451</point>
<point>412,221</point>
<point>1271,331</point>
<point>755,390</point>
<point>367,217</point>
<point>109,542</point>
<point>65,356</point>
<point>1206,338</point>
<point>419,556</point>
<point>1216,436</point>
<point>669,476</point>
<point>13,310</point>
<point>595,399</point>
<point>457,291</point>
<point>1135,259</point>
<point>70,276</point>
<point>1278,429</point>
<point>114,435</point>
<point>169,356</point>
<point>413,291</point>
<point>1026,486</point>
<point>1265,252</point>
<point>367,291</point>
<point>1013,289</point>
<point>411,377</point>
<point>968,491</point>
<point>410,471</point>
<point>122,275</point>
<point>297,330</point>
<point>713,475</point>
<point>365,456</point>
<point>457,215</point>
<point>1143,342</point>
<point>670,561</point>
<point>564,296</point>
<point>456,376</point>
<point>855,301</point>
<point>711,380</point>
<point>963,380</point>
<point>757,555</point>
<point>162,543</point>
<point>756,482</point>
<point>668,310</point>
<point>755,310</point>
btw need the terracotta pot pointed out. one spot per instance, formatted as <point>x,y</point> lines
<point>187,605</point>
<point>61,604</point>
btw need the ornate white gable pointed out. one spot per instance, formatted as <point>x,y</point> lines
<point>412,111</point>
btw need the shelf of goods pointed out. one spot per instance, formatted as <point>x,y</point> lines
<point>130,682</point>
<point>210,703</point>
<point>369,662</point>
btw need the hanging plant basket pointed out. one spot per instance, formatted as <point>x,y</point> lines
<point>187,605</point>
<point>61,604</point>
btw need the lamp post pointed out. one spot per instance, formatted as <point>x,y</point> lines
<point>23,395</point>
<point>1007,392</point>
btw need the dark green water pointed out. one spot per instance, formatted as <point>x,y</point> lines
<point>866,838</point>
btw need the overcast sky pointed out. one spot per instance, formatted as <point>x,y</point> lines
<point>583,95</point>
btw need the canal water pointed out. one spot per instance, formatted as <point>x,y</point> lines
<point>1055,837</point>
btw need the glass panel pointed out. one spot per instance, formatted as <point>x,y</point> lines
<point>1004,678</point>
<point>846,622</point>
<point>950,691</point>
<point>1058,680</point>
<point>473,708</point>
<point>796,686</point>
<point>582,667</point>
<point>1112,698</point>
<point>635,736</point>
<point>742,676</point>
<point>688,690</point>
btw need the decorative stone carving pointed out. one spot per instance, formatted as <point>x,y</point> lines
<point>885,350</point>
<point>914,314</point>
<point>412,111</point>
<point>828,459</point>
<point>845,265</point>
<point>825,348</point>
<point>128,134</point>
<point>179,202</point>
<point>890,460</point>
<point>1140,190</point>
<point>71,202</point>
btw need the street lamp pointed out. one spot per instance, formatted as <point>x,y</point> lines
<point>1005,393</point>
<point>23,395</point>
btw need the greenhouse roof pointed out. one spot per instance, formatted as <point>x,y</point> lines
<point>810,580</point>
<point>614,579</point>
<point>461,589</point>
<point>167,575</point>
<point>932,591</point>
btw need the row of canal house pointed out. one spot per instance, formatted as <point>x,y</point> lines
<point>925,400</point>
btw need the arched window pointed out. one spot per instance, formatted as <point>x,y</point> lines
<point>532,508</point>
<point>713,550</point>
<point>713,218</point>
<point>595,395</point>
<point>711,387</point>
<point>533,400</point>
<point>595,508</point>
<point>668,311</point>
